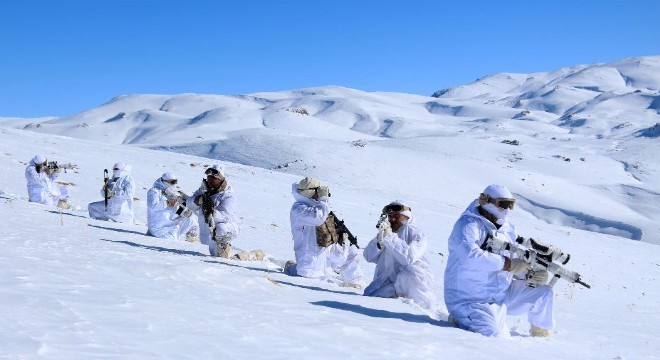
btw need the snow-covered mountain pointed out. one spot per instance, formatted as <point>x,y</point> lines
<point>567,124</point>
<point>74,287</point>
<point>612,100</point>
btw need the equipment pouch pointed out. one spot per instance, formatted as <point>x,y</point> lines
<point>326,233</point>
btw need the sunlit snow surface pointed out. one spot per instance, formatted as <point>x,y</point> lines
<point>72,287</point>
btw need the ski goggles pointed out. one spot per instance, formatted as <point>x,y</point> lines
<point>503,203</point>
<point>211,171</point>
<point>214,173</point>
<point>395,208</point>
<point>172,182</point>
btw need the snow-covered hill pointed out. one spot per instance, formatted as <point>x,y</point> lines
<point>578,147</point>
<point>591,130</point>
<point>79,288</point>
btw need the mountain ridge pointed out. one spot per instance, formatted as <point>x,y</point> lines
<point>569,121</point>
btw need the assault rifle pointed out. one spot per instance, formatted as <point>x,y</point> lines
<point>342,229</point>
<point>383,223</point>
<point>539,255</point>
<point>181,199</point>
<point>105,187</point>
<point>54,166</point>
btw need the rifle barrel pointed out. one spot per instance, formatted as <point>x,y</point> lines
<point>583,283</point>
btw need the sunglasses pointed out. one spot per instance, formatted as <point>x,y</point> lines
<point>503,203</point>
<point>316,189</point>
<point>395,208</point>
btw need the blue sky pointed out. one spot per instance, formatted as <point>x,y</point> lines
<point>62,57</point>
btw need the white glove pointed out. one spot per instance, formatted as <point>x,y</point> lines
<point>515,266</point>
<point>386,228</point>
<point>536,278</point>
<point>323,192</point>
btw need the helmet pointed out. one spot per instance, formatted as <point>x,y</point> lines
<point>216,171</point>
<point>39,159</point>
<point>169,178</point>
<point>498,201</point>
<point>497,195</point>
<point>398,207</point>
<point>307,187</point>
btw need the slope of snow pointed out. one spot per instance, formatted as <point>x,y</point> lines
<point>577,146</point>
<point>73,287</point>
<point>571,123</point>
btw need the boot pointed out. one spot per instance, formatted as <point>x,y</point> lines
<point>192,235</point>
<point>257,255</point>
<point>243,256</point>
<point>354,285</point>
<point>452,321</point>
<point>224,251</point>
<point>254,255</point>
<point>288,267</point>
<point>538,332</point>
<point>63,204</point>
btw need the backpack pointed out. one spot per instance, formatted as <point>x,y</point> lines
<point>326,233</point>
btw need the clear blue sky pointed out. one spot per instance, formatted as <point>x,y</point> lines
<point>59,57</point>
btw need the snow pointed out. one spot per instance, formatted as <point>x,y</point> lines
<point>73,287</point>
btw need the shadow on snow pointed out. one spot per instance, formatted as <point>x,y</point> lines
<point>378,313</point>
<point>156,248</point>
<point>66,213</point>
<point>118,230</point>
<point>315,288</point>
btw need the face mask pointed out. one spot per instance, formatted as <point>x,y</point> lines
<point>116,173</point>
<point>499,213</point>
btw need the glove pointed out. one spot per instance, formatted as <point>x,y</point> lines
<point>343,239</point>
<point>111,192</point>
<point>515,266</point>
<point>323,192</point>
<point>171,202</point>
<point>535,278</point>
<point>384,225</point>
<point>386,228</point>
<point>198,200</point>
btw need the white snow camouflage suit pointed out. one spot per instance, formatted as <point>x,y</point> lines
<point>313,261</point>
<point>401,267</point>
<point>478,293</point>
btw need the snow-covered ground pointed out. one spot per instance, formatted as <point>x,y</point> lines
<point>74,287</point>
